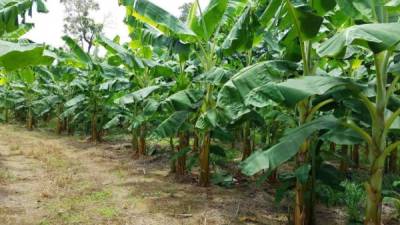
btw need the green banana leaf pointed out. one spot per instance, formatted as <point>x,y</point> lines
<point>41,6</point>
<point>241,36</point>
<point>342,136</point>
<point>376,37</point>
<point>208,21</point>
<point>15,35</point>
<point>270,11</point>
<point>77,50</point>
<point>138,95</point>
<point>15,56</point>
<point>75,101</point>
<point>305,21</point>
<point>10,10</point>
<point>207,120</point>
<point>216,76</point>
<point>295,90</point>
<point>323,6</point>
<point>288,146</point>
<point>128,58</point>
<point>186,100</point>
<point>231,98</point>
<point>171,126</point>
<point>149,13</point>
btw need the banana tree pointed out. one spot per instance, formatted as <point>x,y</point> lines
<point>57,81</point>
<point>13,12</point>
<point>181,108</point>
<point>306,27</point>
<point>14,56</point>
<point>146,76</point>
<point>201,29</point>
<point>27,92</point>
<point>382,39</point>
<point>20,58</point>
<point>7,96</point>
<point>302,212</point>
<point>90,98</point>
<point>300,23</point>
<point>242,38</point>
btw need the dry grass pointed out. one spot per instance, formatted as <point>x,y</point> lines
<point>85,184</point>
<point>6,176</point>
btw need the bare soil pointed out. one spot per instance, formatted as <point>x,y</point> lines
<point>49,179</point>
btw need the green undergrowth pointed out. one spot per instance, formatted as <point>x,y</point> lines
<point>81,208</point>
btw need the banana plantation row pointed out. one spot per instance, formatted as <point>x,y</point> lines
<point>286,82</point>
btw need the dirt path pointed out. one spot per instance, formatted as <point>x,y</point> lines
<point>48,179</point>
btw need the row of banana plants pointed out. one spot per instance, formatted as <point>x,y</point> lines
<point>281,80</point>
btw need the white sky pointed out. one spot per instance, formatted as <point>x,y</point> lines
<point>49,27</point>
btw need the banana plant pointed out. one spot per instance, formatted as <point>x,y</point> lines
<point>89,101</point>
<point>300,23</point>
<point>200,31</point>
<point>57,81</point>
<point>147,78</point>
<point>181,108</point>
<point>20,58</point>
<point>12,11</point>
<point>306,27</point>
<point>382,39</point>
<point>306,84</point>
<point>15,55</point>
<point>7,96</point>
<point>27,93</point>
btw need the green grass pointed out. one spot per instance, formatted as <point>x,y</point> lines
<point>83,208</point>
<point>120,173</point>
<point>6,176</point>
<point>99,196</point>
<point>57,163</point>
<point>108,212</point>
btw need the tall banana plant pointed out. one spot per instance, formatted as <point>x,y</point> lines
<point>7,97</point>
<point>20,58</point>
<point>303,25</point>
<point>90,98</point>
<point>11,12</point>
<point>146,79</point>
<point>382,39</point>
<point>27,95</point>
<point>200,30</point>
<point>375,37</point>
<point>23,55</point>
<point>57,81</point>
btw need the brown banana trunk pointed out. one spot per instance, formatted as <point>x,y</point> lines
<point>68,126</point>
<point>172,146</point>
<point>6,115</point>
<point>30,120</point>
<point>204,161</point>
<point>374,196</point>
<point>94,135</point>
<point>343,162</point>
<point>246,142</point>
<point>60,125</point>
<point>195,142</point>
<point>142,141</point>
<point>356,156</point>
<point>302,210</point>
<point>332,147</point>
<point>393,161</point>
<point>135,143</point>
<point>181,162</point>
<point>273,178</point>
